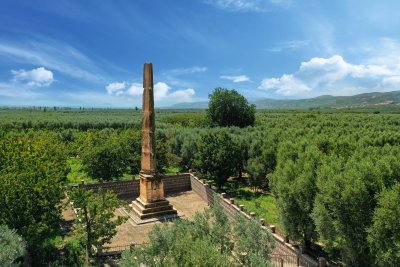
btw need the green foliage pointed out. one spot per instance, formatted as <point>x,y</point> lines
<point>74,250</point>
<point>97,222</point>
<point>32,171</point>
<point>211,240</point>
<point>216,158</point>
<point>262,160</point>
<point>104,156</point>
<point>294,183</point>
<point>263,205</point>
<point>229,108</point>
<point>253,244</point>
<point>384,233</point>
<point>344,206</point>
<point>12,247</point>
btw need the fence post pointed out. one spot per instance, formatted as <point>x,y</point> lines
<point>298,260</point>
<point>286,238</point>
<point>280,262</point>
<point>131,247</point>
<point>321,262</point>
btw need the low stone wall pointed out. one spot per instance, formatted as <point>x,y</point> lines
<point>210,195</point>
<point>131,188</point>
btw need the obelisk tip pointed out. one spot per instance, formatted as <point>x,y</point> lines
<point>148,75</point>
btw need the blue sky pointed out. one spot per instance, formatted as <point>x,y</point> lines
<point>91,53</point>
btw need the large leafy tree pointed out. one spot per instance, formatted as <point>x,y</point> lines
<point>97,222</point>
<point>384,233</point>
<point>229,108</point>
<point>104,155</point>
<point>216,157</point>
<point>32,171</point>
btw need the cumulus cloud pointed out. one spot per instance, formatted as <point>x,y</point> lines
<point>183,95</point>
<point>115,87</point>
<point>135,89</point>
<point>162,92</point>
<point>236,79</point>
<point>286,85</point>
<point>336,76</point>
<point>38,77</point>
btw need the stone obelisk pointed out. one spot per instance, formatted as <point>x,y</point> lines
<point>151,202</point>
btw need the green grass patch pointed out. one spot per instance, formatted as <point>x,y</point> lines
<point>262,204</point>
<point>172,170</point>
<point>77,174</point>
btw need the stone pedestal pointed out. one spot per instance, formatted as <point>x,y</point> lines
<point>151,202</point>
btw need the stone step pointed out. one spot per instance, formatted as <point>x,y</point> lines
<point>144,216</point>
<point>140,202</point>
<point>143,210</point>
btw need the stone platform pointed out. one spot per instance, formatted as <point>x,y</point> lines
<point>159,208</point>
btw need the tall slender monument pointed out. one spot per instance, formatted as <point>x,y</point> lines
<point>151,202</point>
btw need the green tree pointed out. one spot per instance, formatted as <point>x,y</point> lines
<point>294,184</point>
<point>97,222</point>
<point>12,247</point>
<point>229,108</point>
<point>104,156</point>
<point>262,161</point>
<point>216,157</point>
<point>32,172</point>
<point>384,233</point>
<point>252,243</point>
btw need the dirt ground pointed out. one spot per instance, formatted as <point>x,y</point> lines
<point>187,204</point>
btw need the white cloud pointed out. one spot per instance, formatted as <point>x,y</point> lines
<point>182,96</point>
<point>38,77</point>
<point>115,87</point>
<point>135,89</point>
<point>236,79</point>
<point>334,76</point>
<point>285,85</point>
<point>162,92</point>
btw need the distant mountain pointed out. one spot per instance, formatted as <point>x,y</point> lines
<point>387,99</point>
<point>328,101</point>
<point>192,105</point>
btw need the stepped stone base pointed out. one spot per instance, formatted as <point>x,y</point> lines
<point>156,209</point>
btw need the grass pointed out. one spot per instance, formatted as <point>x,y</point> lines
<point>261,203</point>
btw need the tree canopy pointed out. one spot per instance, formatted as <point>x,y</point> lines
<point>217,156</point>
<point>229,108</point>
<point>12,247</point>
<point>212,240</point>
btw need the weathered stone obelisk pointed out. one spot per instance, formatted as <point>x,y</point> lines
<point>151,202</point>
